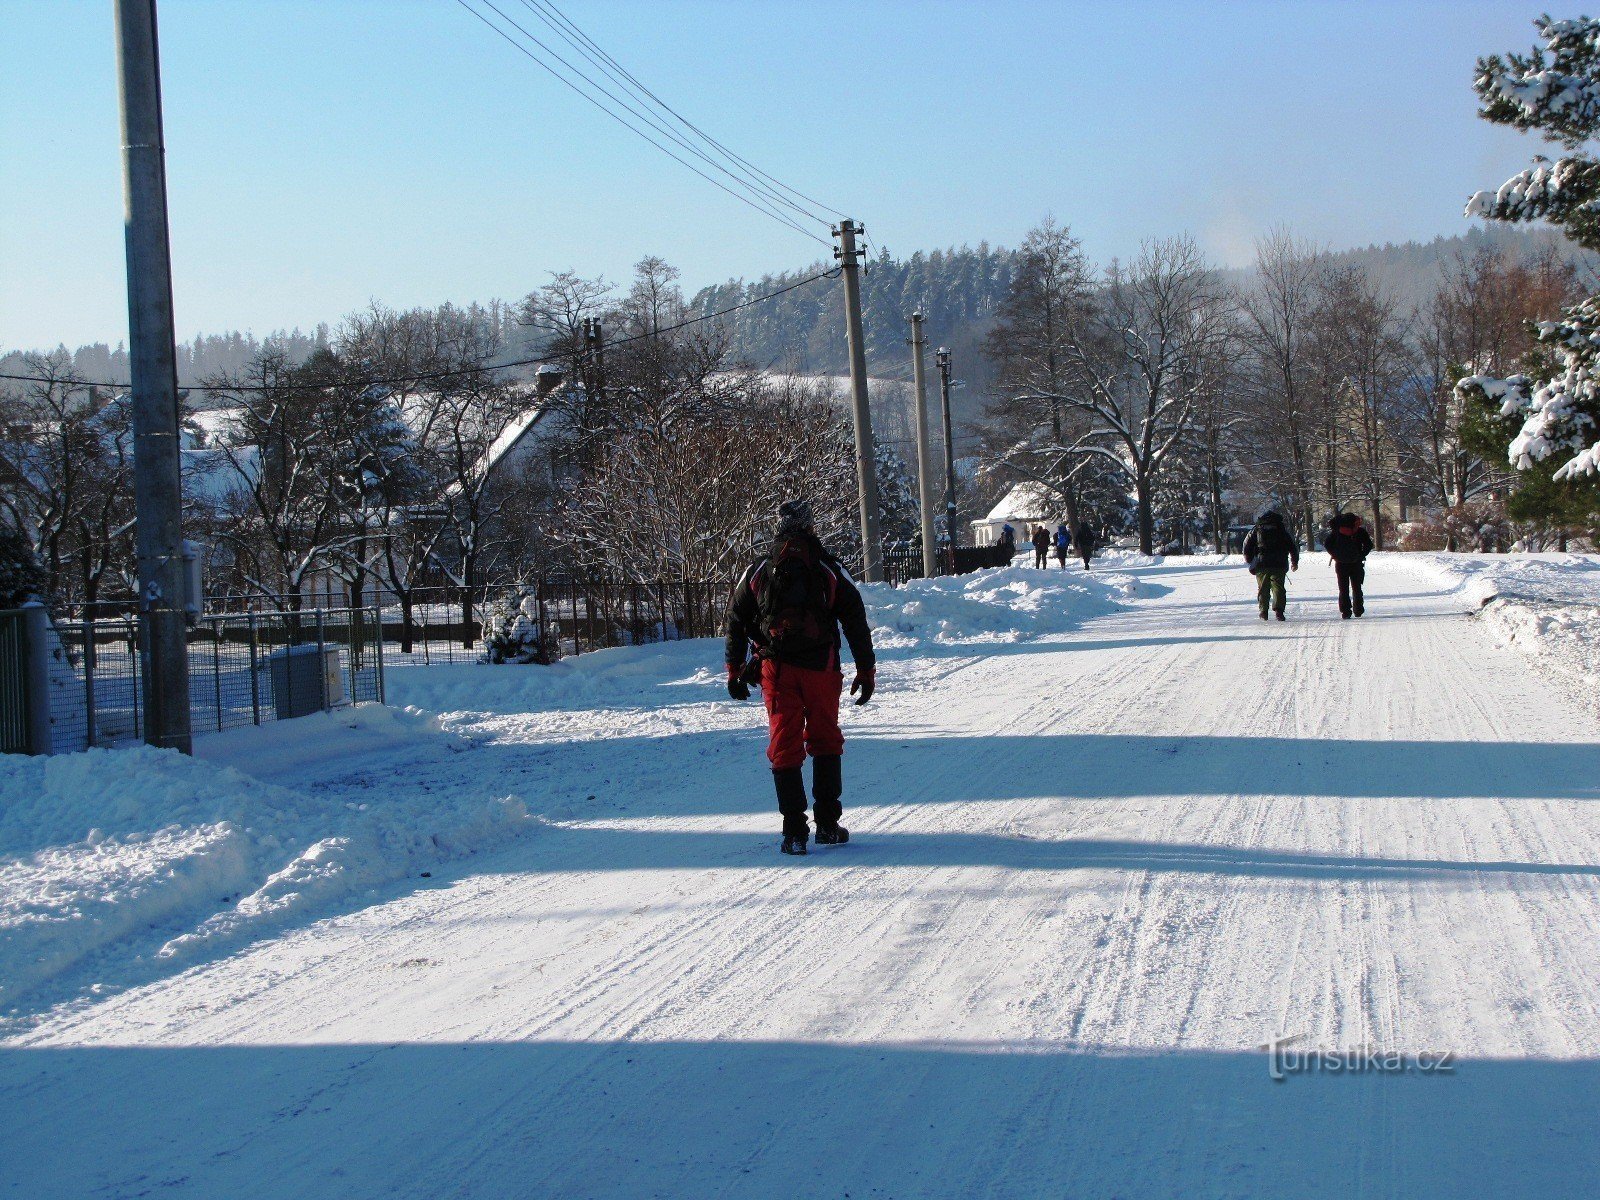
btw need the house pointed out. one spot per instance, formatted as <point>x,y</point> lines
<point>1024,505</point>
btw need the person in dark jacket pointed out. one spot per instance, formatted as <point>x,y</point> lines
<point>1086,542</point>
<point>788,608</point>
<point>1063,544</point>
<point>1348,544</point>
<point>1008,544</point>
<point>1041,545</point>
<point>1272,553</point>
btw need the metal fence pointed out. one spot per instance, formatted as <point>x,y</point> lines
<point>244,669</point>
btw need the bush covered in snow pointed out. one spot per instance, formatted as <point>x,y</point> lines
<point>511,634</point>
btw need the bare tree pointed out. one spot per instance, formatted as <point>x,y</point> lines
<point>1033,431</point>
<point>1279,309</point>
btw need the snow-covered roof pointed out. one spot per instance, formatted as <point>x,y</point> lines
<point>1026,502</point>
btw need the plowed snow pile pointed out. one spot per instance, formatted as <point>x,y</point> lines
<point>115,862</point>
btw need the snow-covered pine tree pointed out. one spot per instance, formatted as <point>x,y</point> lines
<point>1555,90</point>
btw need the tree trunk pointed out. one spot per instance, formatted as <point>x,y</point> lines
<point>408,628</point>
<point>1218,533</point>
<point>1147,530</point>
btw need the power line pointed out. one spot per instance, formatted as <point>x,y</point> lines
<point>754,200</point>
<point>552,16</point>
<point>429,376</point>
<point>754,186</point>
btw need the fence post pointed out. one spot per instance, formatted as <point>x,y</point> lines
<point>322,660</point>
<point>378,616</point>
<point>216,667</point>
<point>89,738</point>
<point>36,651</point>
<point>255,671</point>
<point>544,628</point>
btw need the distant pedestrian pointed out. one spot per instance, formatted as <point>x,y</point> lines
<point>1041,546</point>
<point>1008,544</point>
<point>1086,542</point>
<point>1271,552</point>
<point>1063,544</point>
<point>1348,544</point>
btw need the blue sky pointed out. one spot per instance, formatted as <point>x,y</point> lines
<point>322,153</point>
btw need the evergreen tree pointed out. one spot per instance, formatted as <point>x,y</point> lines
<point>1554,90</point>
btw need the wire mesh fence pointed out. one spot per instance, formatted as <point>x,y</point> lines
<point>244,669</point>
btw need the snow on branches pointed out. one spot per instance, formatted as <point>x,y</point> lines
<point>1560,415</point>
<point>1554,90</point>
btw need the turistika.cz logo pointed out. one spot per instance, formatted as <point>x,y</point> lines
<point>1284,1059</point>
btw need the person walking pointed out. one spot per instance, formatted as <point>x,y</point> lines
<point>1041,546</point>
<point>1086,542</point>
<point>1272,552</point>
<point>1063,541</point>
<point>1008,544</point>
<point>788,609</point>
<point>1348,543</point>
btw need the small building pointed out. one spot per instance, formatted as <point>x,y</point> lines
<point>1024,505</point>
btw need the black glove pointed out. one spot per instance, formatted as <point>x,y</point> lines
<point>864,682</point>
<point>737,687</point>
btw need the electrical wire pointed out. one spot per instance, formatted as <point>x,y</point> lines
<point>754,200</point>
<point>430,376</point>
<point>552,16</point>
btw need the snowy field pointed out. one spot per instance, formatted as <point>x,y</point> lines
<point>527,933</point>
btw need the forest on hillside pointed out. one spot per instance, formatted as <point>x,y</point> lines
<point>958,289</point>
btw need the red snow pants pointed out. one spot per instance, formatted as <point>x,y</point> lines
<point>802,712</point>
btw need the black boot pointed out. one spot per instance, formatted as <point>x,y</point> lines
<point>827,785</point>
<point>791,788</point>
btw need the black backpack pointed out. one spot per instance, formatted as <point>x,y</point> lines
<point>795,595</point>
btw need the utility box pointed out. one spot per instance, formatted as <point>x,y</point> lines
<point>305,679</point>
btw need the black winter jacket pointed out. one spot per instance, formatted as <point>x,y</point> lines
<point>1348,548</point>
<point>1271,548</point>
<point>744,618</point>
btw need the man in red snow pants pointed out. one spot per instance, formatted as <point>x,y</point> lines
<point>789,607</point>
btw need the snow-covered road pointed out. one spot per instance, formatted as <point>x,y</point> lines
<point>1092,873</point>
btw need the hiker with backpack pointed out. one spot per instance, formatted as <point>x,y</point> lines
<point>1063,544</point>
<point>789,608</point>
<point>1041,546</point>
<point>1271,553</point>
<point>1348,544</point>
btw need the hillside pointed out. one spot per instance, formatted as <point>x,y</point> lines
<point>959,290</point>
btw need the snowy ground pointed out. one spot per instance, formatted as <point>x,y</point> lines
<point>1110,838</point>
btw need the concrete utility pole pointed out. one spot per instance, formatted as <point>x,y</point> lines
<point>158,495</point>
<point>942,357</point>
<point>930,552</point>
<point>866,474</point>
<point>594,345</point>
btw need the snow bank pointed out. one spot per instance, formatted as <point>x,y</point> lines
<point>116,862</point>
<point>1547,606</point>
<point>1480,578</point>
<point>1009,604</point>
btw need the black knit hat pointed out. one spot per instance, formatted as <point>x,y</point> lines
<point>794,516</point>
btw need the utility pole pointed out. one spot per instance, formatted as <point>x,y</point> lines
<point>594,348</point>
<point>942,357</point>
<point>866,475</point>
<point>158,494</point>
<point>930,552</point>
